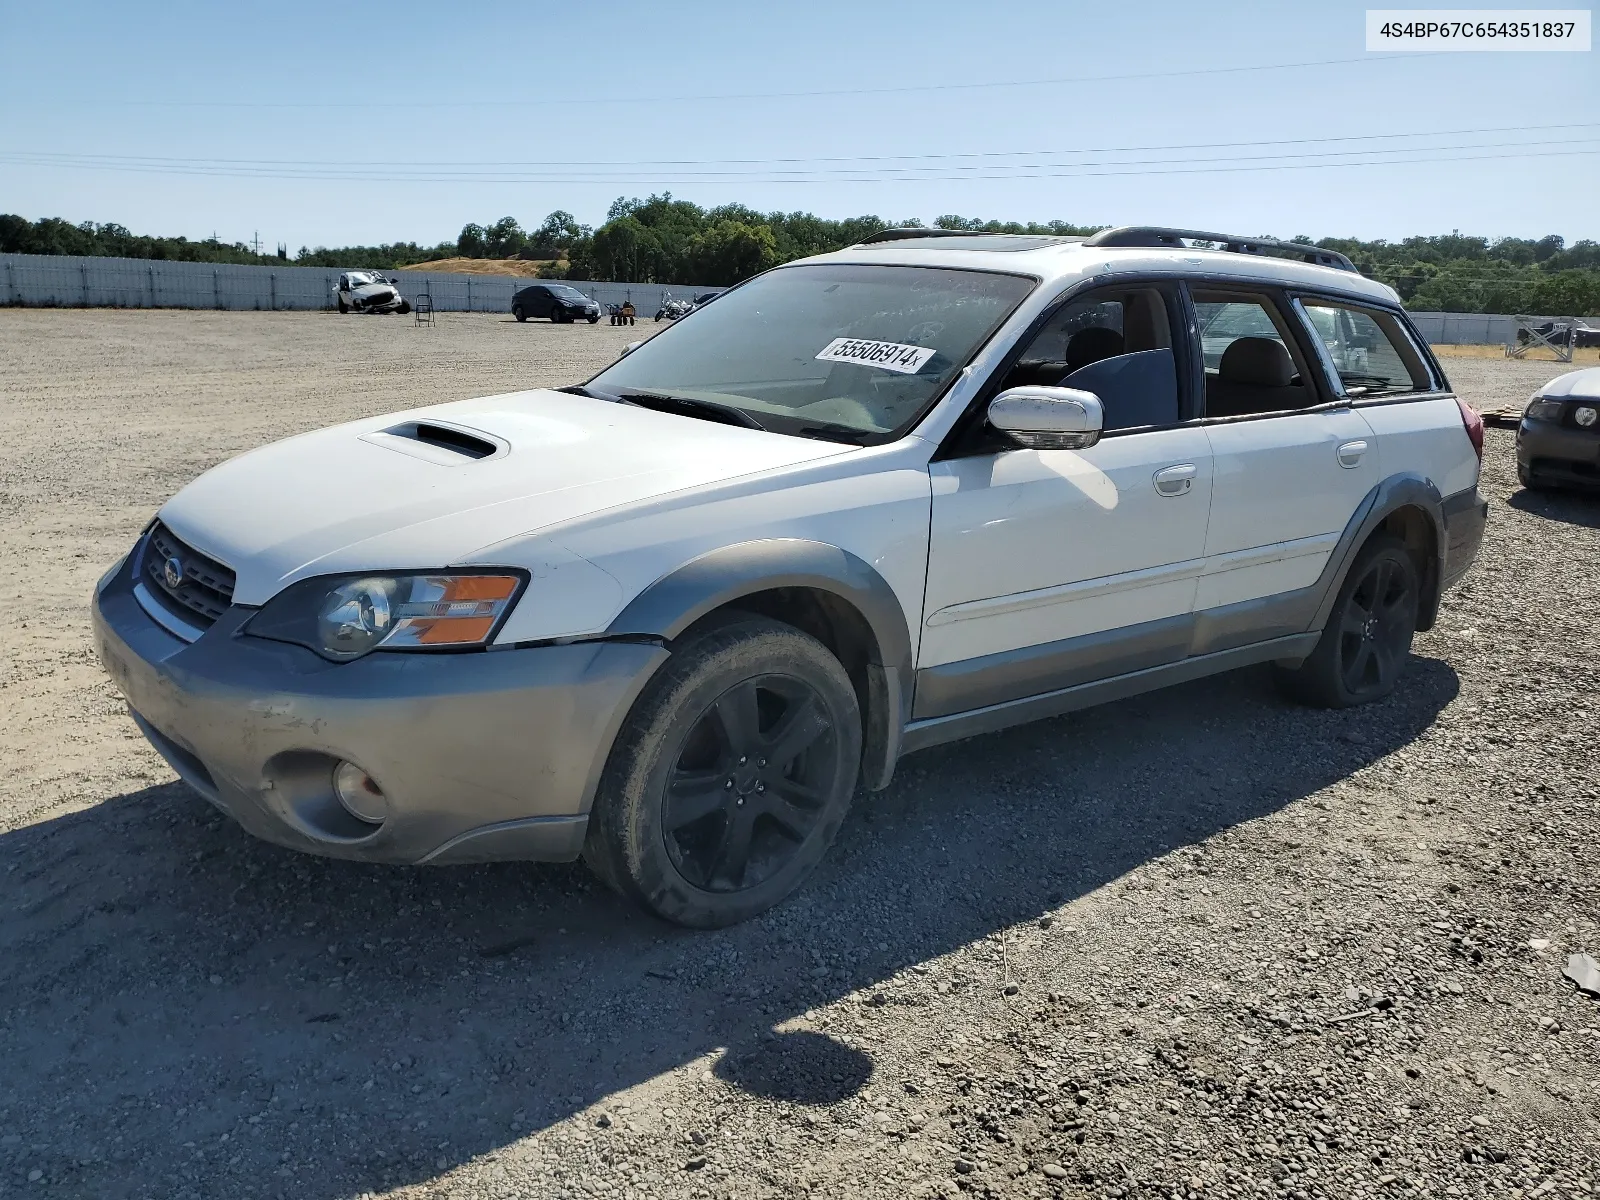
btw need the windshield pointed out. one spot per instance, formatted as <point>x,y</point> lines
<point>566,293</point>
<point>357,278</point>
<point>858,350</point>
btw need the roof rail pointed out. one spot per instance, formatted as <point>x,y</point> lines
<point>1156,235</point>
<point>899,235</point>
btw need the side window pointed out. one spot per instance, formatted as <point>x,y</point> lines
<point>1367,349</point>
<point>1116,343</point>
<point>1252,364</point>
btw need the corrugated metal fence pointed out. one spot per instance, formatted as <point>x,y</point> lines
<point>1466,329</point>
<point>65,281</point>
<point>72,282</point>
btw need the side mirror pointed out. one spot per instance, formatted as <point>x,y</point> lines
<point>1048,418</point>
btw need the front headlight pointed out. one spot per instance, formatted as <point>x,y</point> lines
<point>343,617</point>
<point>1540,409</point>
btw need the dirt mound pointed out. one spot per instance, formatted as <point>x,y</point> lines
<point>525,267</point>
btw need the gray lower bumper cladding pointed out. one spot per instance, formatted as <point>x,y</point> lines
<point>492,755</point>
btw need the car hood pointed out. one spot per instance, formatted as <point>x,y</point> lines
<point>1577,385</point>
<point>371,289</point>
<point>367,496</point>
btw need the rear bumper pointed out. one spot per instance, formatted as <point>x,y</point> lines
<point>484,756</point>
<point>1465,516</point>
<point>1555,454</point>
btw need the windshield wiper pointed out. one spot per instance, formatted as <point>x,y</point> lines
<point>689,406</point>
<point>579,389</point>
<point>838,433</point>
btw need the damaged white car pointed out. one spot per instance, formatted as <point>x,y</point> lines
<point>368,291</point>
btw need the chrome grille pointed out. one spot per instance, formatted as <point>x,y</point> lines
<point>205,589</point>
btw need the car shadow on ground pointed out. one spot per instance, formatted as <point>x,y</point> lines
<point>169,980</point>
<point>1570,507</point>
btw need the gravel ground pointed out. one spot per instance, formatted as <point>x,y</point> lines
<point>1201,943</point>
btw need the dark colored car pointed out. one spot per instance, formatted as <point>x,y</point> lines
<point>554,300</point>
<point>1558,441</point>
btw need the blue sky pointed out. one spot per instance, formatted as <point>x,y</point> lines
<point>403,122</point>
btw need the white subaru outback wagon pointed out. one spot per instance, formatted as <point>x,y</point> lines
<point>919,489</point>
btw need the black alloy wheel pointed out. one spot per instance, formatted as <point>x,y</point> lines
<point>749,784</point>
<point>1376,627</point>
<point>1364,645</point>
<point>730,776</point>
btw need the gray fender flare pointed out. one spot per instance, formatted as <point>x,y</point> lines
<point>1405,490</point>
<point>673,603</point>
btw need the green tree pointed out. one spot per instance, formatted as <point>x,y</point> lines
<point>731,251</point>
<point>473,242</point>
<point>504,238</point>
<point>1567,294</point>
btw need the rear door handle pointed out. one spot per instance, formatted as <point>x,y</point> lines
<point>1350,454</point>
<point>1175,481</point>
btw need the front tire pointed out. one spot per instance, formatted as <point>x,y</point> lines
<point>404,307</point>
<point>730,777</point>
<point>1530,481</point>
<point>1362,652</point>
<point>516,311</point>
<point>594,320</point>
<point>343,307</point>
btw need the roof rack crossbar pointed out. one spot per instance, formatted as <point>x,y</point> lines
<point>1159,236</point>
<point>900,235</point>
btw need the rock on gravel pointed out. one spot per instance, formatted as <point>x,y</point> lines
<point>1259,950</point>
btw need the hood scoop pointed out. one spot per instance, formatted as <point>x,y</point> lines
<point>438,442</point>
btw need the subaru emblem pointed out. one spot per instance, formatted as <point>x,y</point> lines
<point>172,572</point>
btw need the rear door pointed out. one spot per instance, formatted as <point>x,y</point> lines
<point>1374,362</point>
<point>1292,464</point>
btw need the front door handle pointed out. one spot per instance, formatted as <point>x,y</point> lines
<point>1175,481</point>
<point>1350,454</point>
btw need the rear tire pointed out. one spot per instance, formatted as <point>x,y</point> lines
<point>730,777</point>
<point>1362,652</point>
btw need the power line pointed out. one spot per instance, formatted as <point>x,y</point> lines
<point>591,100</point>
<point>1031,171</point>
<point>635,166</point>
<point>244,169</point>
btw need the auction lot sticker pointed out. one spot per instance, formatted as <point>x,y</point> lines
<point>891,356</point>
<point>1478,29</point>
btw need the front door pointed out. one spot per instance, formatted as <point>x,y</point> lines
<point>1049,568</point>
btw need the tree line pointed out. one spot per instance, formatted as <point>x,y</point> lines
<point>660,239</point>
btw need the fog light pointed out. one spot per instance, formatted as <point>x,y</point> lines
<point>360,794</point>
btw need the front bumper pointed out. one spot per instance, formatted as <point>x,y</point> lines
<point>1554,453</point>
<point>483,756</point>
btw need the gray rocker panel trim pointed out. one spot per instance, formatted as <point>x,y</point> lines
<point>920,735</point>
<point>1029,670</point>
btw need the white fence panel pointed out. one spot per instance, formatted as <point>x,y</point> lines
<point>71,282</point>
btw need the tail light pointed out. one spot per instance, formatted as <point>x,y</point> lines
<point>1474,424</point>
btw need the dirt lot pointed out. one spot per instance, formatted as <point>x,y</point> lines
<point>1201,943</point>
